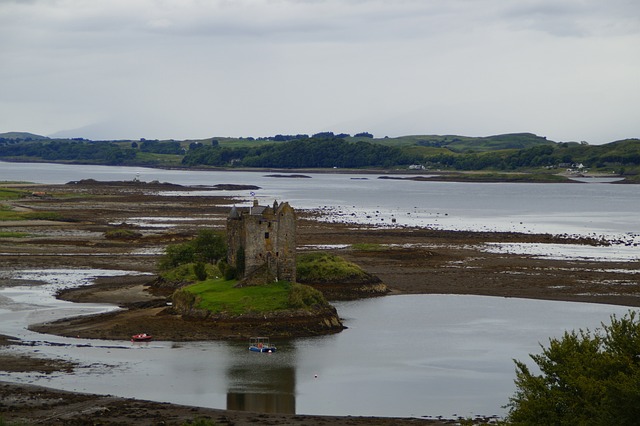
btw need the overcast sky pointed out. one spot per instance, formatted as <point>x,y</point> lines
<point>102,69</point>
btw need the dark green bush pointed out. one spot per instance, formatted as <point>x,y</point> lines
<point>585,378</point>
<point>200,271</point>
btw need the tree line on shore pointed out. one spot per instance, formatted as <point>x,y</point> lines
<point>328,150</point>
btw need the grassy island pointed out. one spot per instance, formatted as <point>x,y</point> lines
<point>220,296</point>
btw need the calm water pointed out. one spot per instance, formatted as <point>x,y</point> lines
<point>401,356</point>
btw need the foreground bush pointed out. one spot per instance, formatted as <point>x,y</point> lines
<point>586,378</point>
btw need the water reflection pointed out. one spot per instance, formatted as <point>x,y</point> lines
<point>263,382</point>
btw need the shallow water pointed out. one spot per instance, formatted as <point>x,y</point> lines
<point>423,355</point>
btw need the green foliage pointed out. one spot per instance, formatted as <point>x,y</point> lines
<point>303,153</point>
<point>230,272</point>
<point>100,152</point>
<point>176,255</point>
<point>208,247</point>
<point>586,378</point>
<point>187,273</point>
<point>183,297</point>
<point>462,144</point>
<point>321,267</point>
<point>161,147</point>
<point>326,150</point>
<point>200,271</point>
<point>305,297</point>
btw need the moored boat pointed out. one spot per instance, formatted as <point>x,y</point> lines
<point>261,344</point>
<point>142,337</point>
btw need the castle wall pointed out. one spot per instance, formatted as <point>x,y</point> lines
<point>267,236</point>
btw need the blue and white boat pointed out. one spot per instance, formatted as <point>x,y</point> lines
<point>261,344</point>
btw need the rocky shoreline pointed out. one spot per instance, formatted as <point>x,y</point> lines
<point>407,260</point>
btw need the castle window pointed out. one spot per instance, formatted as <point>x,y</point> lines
<point>266,235</point>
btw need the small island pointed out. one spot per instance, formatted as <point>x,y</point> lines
<point>246,281</point>
<point>257,292</point>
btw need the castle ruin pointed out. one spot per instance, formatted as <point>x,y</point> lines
<point>261,243</point>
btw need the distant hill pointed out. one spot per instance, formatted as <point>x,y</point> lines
<point>21,136</point>
<point>524,152</point>
<point>469,144</point>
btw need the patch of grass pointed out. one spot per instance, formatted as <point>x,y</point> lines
<point>10,193</point>
<point>41,216</point>
<point>6,213</point>
<point>323,267</point>
<point>368,247</point>
<point>13,234</point>
<point>158,159</point>
<point>220,296</point>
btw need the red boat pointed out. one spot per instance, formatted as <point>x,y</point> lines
<point>142,337</point>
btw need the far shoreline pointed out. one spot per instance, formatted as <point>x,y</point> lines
<point>459,176</point>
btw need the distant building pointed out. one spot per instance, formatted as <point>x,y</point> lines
<point>261,243</point>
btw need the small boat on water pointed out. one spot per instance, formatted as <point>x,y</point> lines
<point>261,344</point>
<point>142,337</point>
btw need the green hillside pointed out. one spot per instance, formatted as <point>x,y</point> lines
<point>467,144</point>
<point>21,136</point>
<point>521,152</point>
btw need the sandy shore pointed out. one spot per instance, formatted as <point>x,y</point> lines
<point>409,261</point>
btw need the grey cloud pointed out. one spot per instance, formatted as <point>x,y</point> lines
<point>251,67</point>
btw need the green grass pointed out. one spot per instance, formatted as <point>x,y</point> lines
<point>10,193</point>
<point>7,214</point>
<point>220,296</point>
<point>158,159</point>
<point>324,267</point>
<point>13,235</point>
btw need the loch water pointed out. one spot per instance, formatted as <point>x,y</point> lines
<point>418,355</point>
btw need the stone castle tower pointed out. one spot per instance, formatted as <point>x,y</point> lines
<point>261,243</point>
